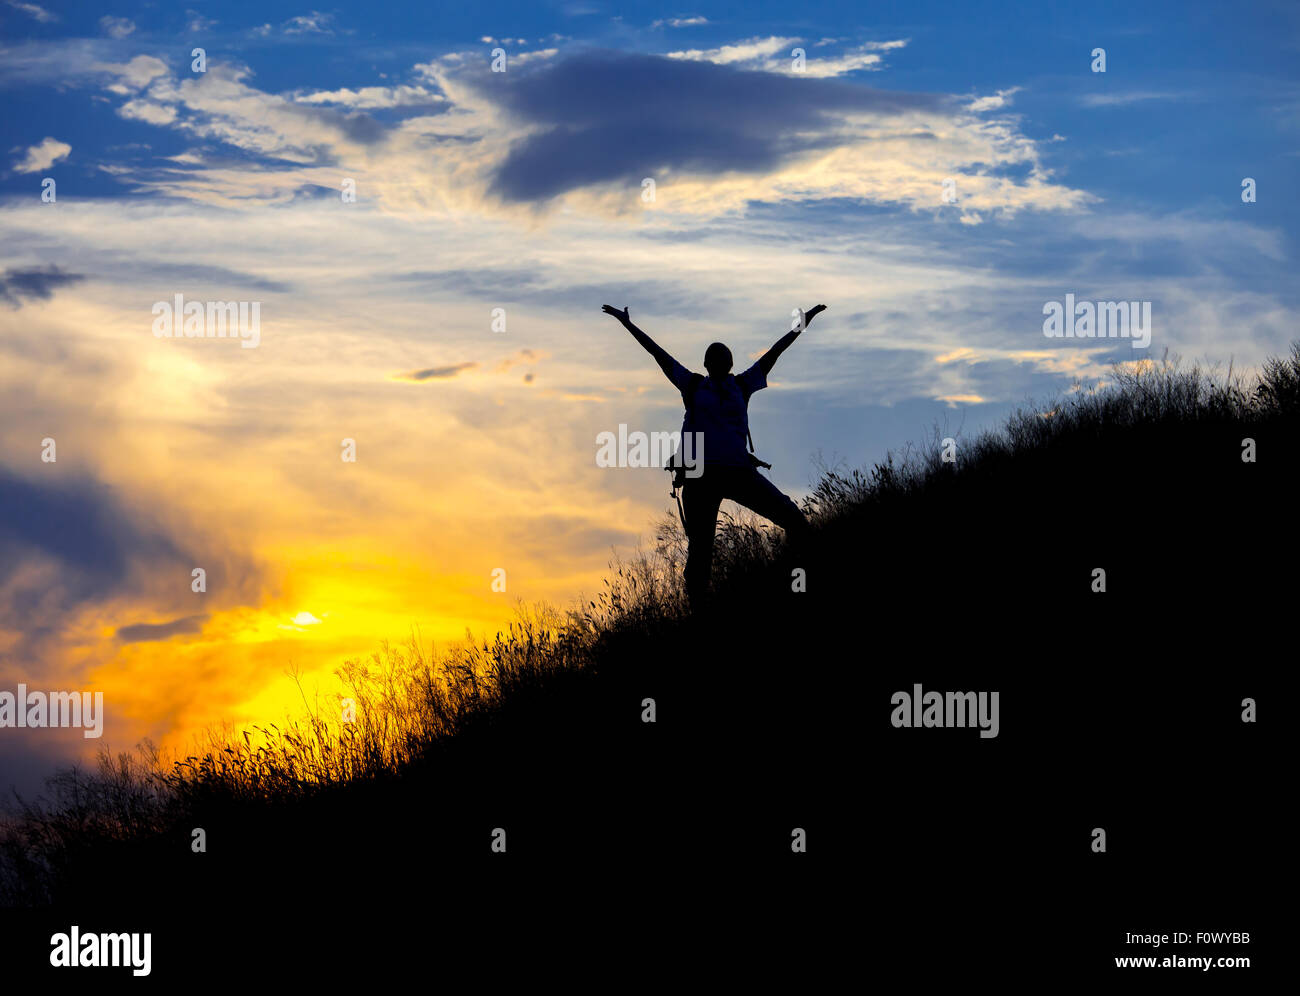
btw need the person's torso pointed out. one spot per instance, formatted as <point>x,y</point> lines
<point>720,412</point>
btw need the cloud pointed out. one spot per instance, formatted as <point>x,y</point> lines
<point>554,135</point>
<point>373,97</point>
<point>758,54</point>
<point>680,22</point>
<point>435,373</point>
<point>313,23</point>
<point>150,113</point>
<point>64,62</point>
<point>148,632</point>
<point>116,27</point>
<point>198,22</point>
<point>752,50</point>
<point>1121,99</point>
<point>42,156</point>
<point>34,284</point>
<point>79,524</point>
<point>218,278</point>
<point>692,116</point>
<point>993,103</point>
<point>72,546</point>
<point>521,357</point>
<point>542,288</point>
<point>33,11</point>
<point>223,106</point>
<point>541,53</point>
<point>134,75</point>
<point>79,555</point>
<point>822,66</point>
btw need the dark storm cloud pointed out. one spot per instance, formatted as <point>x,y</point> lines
<point>80,524</point>
<point>355,126</point>
<point>608,116</point>
<point>70,543</point>
<point>35,283</point>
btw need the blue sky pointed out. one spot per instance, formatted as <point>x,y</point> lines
<point>778,185</point>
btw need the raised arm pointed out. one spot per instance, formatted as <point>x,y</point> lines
<point>666,363</point>
<point>768,360</point>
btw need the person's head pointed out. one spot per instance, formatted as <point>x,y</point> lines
<point>717,361</point>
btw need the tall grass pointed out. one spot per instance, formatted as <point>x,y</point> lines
<point>1143,396</point>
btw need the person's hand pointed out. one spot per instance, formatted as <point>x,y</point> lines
<point>622,316</point>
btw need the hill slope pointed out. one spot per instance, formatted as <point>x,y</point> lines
<point>1117,708</point>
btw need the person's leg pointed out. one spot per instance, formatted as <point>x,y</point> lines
<point>760,495</point>
<point>700,501</point>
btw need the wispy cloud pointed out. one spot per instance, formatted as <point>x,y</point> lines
<point>754,50</point>
<point>224,107</point>
<point>1132,97</point>
<point>435,373</point>
<point>993,103</point>
<point>681,22</point>
<point>776,55</point>
<point>373,97</point>
<point>33,11</point>
<point>313,23</point>
<point>116,27</point>
<point>197,22</point>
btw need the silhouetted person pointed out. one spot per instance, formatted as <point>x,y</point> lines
<point>717,406</point>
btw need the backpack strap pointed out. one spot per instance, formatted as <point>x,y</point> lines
<point>681,511</point>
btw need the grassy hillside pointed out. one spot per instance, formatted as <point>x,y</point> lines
<point>772,709</point>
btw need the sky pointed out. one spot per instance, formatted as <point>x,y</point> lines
<point>428,243</point>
